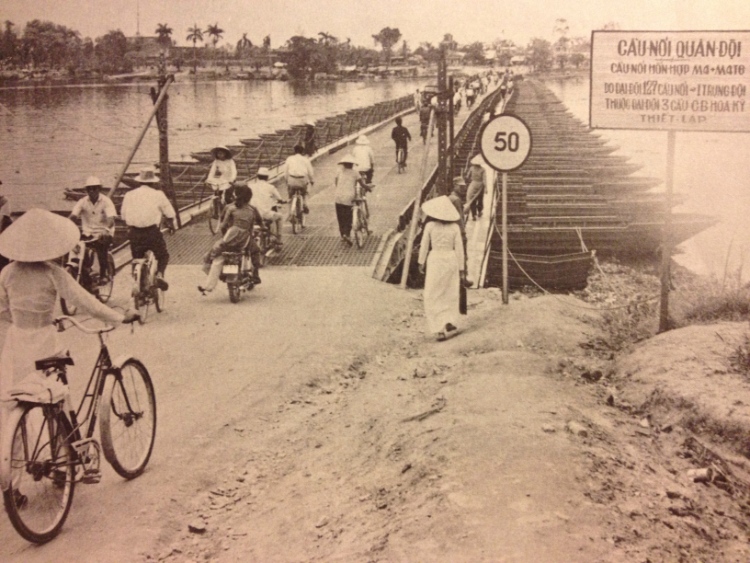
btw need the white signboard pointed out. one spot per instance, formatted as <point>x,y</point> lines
<point>505,142</point>
<point>670,80</point>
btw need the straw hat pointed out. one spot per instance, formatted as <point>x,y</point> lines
<point>38,235</point>
<point>147,176</point>
<point>263,171</point>
<point>348,159</point>
<point>93,182</point>
<point>310,122</point>
<point>221,148</point>
<point>362,140</point>
<point>441,208</point>
<point>477,160</point>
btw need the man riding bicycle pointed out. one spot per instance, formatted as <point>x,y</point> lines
<point>401,137</point>
<point>299,175</point>
<point>266,199</point>
<point>142,210</point>
<point>97,215</point>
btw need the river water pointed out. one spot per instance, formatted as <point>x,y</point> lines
<point>55,137</point>
<point>711,169</point>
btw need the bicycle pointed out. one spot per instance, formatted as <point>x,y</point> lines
<point>296,212</point>
<point>145,290</point>
<point>47,451</point>
<point>219,202</point>
<point>267,241</point>
<point>401,160</point>
<point>361,214</point>
<point>80,265</point>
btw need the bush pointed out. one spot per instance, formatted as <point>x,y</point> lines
<point>708,300</point>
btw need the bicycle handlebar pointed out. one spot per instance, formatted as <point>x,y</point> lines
<point>59,322</point>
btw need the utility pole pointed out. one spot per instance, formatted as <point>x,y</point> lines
<point>451,140</point>
<point>165,173</point>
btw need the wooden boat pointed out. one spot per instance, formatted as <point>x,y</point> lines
<point>566,272</point>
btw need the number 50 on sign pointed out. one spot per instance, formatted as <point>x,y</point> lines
<point>505,142</point>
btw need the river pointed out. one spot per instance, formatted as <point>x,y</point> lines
<point>55,137</point>
<point>711,169</point>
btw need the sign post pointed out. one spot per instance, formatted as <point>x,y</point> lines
<point>670,81</point>
<point>505,143</point>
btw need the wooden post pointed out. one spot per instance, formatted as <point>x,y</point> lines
<point>444,182</point>
<point>451,140</point>
<point>415,210</point>
<point>162,95</point>
<point>165,173</point>
<point>666,242</point>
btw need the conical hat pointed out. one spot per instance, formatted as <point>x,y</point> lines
<point>441,208</point>
<point>38,235</point>
<point>215,150</point>
<point>477,160</point>
<point>347,159</point>
<point>362,140</point>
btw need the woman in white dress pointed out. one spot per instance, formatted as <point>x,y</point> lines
<point>441,254</point>
<point>29,290</point>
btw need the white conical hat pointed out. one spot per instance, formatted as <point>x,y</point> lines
<point>441,208</point>
<point>347,159</point>
<point>362,140</point>
<point>477,160</point>
<point>38,235</point>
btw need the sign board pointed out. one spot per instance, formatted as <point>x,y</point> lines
<point>505,142</point>
<point>670,80</point>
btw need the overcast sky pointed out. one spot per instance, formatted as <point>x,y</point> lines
<point>418,20</point>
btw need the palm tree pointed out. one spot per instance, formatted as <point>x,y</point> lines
<point>164,32</point>
<point>215,32</point>
<point>195,34</point>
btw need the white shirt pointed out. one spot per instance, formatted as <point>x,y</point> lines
<point>265,196</point>
<point>364,157</point>
<point>299,166</point>
<point>95,216</point>
<point>144,207</point>
<point>222,173</point>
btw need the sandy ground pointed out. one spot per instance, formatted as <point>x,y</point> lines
<point>316,421</point>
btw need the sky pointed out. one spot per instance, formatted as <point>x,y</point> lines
<point>418,20</point>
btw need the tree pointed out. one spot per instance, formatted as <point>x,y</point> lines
<point>577,59</point>
<point>215,32</point>
<point>267,42</point>
<point>9,43</point>
<point>110,52</point>
<point>244,46</point>
<point>448,42</point>
<point>195,34</point>
<point>301,57</point>
<point>164,33</point>
<point>475,53</point>
<point>47,44</point>
<point>387,38</point>
<point>539,54</point>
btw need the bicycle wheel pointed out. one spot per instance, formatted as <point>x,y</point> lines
<point>357,226</point>
<point>42,472</point>
<point>214,213</point>
<point>68,308</point>
<point>141,300</point>
<point>297,215</point>
<point>127,419</point>
<point>263,244</point>
<point>400,160</point>
<point>105,290</point>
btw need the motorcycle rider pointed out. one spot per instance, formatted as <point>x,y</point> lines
<point>237,229</point>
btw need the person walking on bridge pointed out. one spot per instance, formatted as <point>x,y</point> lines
<point>475,194</point>
<point>401,137</point>
<point>441,259</point>
<point>346,191</point>
<point>299,175</point>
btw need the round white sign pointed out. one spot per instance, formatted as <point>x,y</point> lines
<point>505,142</point>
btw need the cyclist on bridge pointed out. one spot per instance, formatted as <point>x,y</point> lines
<point>266,199</point>
<point>401,137</point>
<point>97,215</point>
<point>143,210</point>
<point>30,287</point>
<point>299,175</point>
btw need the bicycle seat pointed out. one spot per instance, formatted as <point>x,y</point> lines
<point>58,361</point>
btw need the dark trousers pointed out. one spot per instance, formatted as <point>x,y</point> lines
<point>477,206</point>
<point>149,238</point>
<point>100,247</point>
<point>344,215</point>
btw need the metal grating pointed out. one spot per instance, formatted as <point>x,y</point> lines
<point>314,246</point>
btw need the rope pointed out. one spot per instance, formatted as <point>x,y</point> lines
<point>588,308</point>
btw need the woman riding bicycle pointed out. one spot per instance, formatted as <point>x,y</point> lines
<point>223,173</point>
<point>29,289</point>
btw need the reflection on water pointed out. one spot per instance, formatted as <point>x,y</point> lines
<point>53,138</point>
<point>711,169</point>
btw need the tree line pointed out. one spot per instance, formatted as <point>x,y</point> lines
<point>46,45</point>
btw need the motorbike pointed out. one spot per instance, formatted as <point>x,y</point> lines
<point>237,273</point>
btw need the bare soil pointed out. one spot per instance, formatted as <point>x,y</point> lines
<point>316,421</point>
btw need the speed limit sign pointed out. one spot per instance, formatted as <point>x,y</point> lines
<point>505,142</point>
